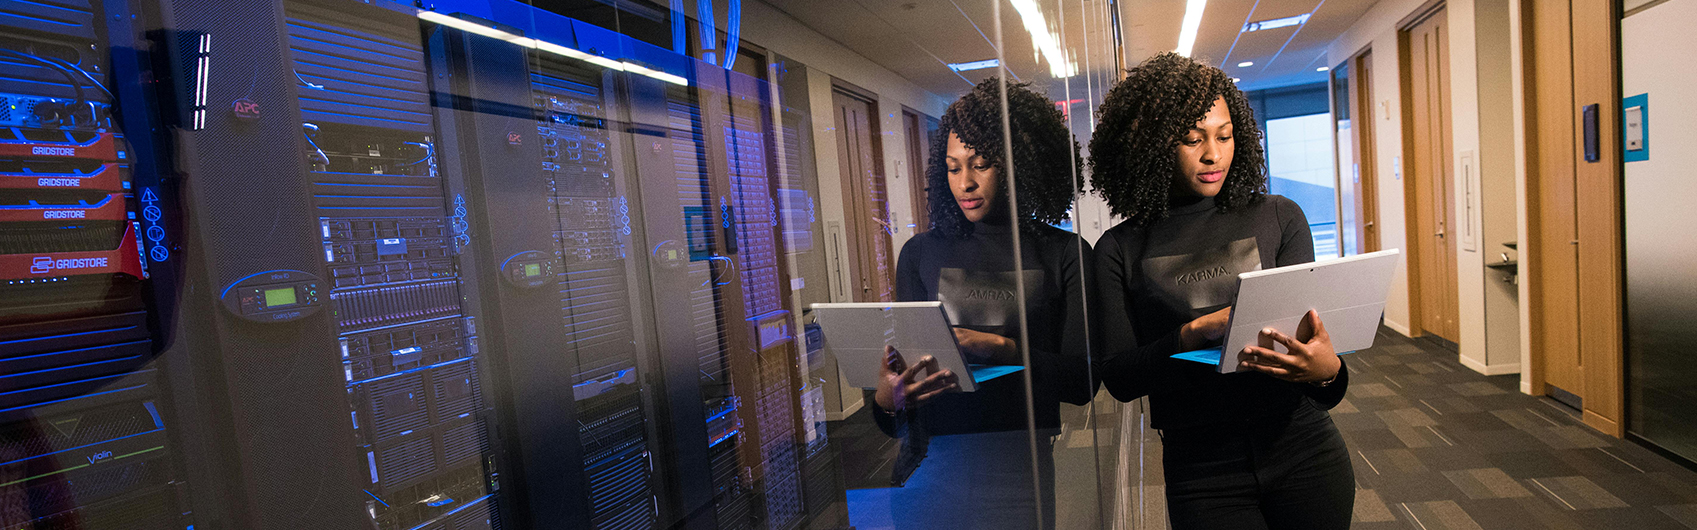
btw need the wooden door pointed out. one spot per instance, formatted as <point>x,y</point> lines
<point>1553,146</point>
<point>866,205</point>
<point>918,152</point>
<point>1431,184</point>
<point>1366,175</point>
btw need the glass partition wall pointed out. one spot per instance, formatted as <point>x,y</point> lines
<point>500,264</point>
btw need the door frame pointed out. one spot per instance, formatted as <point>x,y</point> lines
<point>1414,238</point>
<point>1598,211</point>
<point>860,243</point>
<point>918,154</point>
<point>1362,118</point>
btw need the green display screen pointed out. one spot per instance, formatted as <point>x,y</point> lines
<point>534,269</point>
<point>279,297</point>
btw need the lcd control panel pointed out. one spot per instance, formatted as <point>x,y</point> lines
<point>274,296</point>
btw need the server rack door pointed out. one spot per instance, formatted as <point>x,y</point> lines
<point>583,163</point>
<point>345,354</point>
<point>732,356</point>
<point>664,125</point>
<point>83,424</point>
<point>251,214</point>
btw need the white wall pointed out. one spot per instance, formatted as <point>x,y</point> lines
<point>1656,46</point>
<point>1498,163</point>
<point>1517,62</point>
<point>778,32</point>
<point>1378,29</point>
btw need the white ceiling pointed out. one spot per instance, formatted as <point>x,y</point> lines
<point>915,38</point>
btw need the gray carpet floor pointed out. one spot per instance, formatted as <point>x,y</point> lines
<point>1434,445</point>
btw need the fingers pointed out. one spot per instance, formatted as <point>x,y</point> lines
<point>928,395</point>
<point>1312,319</point>
<point>1290,343</point>
<point>1279,365</point>
<point>943,381</point>
<point>1275,371</point>
<point>928,363</point>
<point>893,360</point>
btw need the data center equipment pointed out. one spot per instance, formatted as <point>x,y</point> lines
<point>407,346</point>
<point>336,368</point>
<point>592,242</point>
<point>673,326</point>
<point>83,440</point>
<point>400,275</point>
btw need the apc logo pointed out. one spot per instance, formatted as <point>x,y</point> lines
<point>245,109</point>
<point>41,265</point>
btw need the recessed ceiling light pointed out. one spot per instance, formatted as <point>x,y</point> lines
<point>1246,64</point>
<point>1275,23</point>
<point>1187,29</point>
<point>975,65</point>
<point>1322,69</point>
<point>1234,80</point>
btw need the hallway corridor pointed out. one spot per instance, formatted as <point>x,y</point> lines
<point>1438,446</point>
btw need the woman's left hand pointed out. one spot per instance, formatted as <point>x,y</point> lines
<point>986,348</point>
<point>1307,361</point>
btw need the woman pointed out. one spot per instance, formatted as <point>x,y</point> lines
<point>979,471</point>
<point>1178,154</point>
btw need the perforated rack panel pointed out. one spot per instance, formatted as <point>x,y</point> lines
<point>407,348</point>
<point>82,439</point>
<point>591,240</point>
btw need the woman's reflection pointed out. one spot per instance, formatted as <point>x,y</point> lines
<point>976,447</point>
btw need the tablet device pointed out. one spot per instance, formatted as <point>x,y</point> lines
<point>1349,293</point>
<point>856,333</point>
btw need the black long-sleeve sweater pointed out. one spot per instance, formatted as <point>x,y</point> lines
<point>1152,280</point>
<point>974,278</point>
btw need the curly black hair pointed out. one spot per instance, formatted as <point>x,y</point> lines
<point>1141,121</point>
<point>1045,156</point>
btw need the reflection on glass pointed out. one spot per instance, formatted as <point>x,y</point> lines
<point>983,259</point>
<point>478,264</point>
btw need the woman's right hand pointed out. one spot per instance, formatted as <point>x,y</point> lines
<point>897,385</point>
<point>1208,328</point>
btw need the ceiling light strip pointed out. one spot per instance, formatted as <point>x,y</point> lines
<point>1187,30</point>
<point>1276,23</point>
<point>542,45</point>
<point>1047,44</point>
<point>975,65</point>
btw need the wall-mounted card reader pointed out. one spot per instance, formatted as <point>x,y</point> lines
<point>1635,125</point>
<point>274,296</point>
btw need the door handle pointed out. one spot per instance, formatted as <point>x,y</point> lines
<point>1440,234</point>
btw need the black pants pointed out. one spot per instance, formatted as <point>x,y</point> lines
<point>1294,474</point>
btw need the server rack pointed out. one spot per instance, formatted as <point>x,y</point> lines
<point>83,436</point>
<point>334,358</point>
<point>407,343</point>
<point>411,264</point>
<point>485,104</point>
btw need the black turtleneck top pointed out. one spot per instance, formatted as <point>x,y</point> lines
<point>974,278</point>
<point>1154,279</point>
